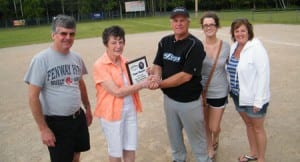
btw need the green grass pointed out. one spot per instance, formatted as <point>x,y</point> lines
<point>40,34</point>
<point>267,17</point>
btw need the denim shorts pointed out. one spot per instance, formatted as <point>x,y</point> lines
<point>249,109</point>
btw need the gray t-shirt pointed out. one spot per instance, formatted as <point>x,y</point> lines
<point>58,75</point>
<point>218,86</point>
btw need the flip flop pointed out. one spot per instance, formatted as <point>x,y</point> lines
<point>246,158</point>
<point>213,155</point>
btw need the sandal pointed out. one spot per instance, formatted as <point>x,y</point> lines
<point>216,145</point>
<point>246,158</point>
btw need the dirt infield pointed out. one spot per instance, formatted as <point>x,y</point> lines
<point>20,140</point>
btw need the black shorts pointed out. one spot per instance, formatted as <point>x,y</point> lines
<point>72,135</point>
<point>217,102</point>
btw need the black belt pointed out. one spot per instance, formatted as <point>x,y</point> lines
<point>58,117</point>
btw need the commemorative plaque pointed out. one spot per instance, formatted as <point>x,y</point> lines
<point>137,70</point>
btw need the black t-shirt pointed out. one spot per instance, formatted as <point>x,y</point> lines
<point>176,56</point>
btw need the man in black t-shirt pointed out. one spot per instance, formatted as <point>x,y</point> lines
<point>178,64</point>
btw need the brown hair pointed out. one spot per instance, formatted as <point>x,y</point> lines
<point>115,31</point>
<point>210,14</point>
<point>239,22</point>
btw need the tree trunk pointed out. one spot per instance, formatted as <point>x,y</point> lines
<point>47,13</point>
<point>15,9</point>
<point>62,6</point>
<point>282,4</point>
<point>120,4</point>
<point>276,3</point>
<point>153,7</point>
<point>21,8</point>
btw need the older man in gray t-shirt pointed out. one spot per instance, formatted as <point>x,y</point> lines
<point>59,77</point>
<point>57,91</point>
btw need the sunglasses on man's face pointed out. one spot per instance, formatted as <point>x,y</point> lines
<point>64,34</point>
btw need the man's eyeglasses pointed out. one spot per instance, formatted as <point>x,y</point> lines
<point>205,26</point>
<point>64,34</point>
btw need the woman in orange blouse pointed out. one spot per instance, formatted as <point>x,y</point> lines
<point>117,101</point>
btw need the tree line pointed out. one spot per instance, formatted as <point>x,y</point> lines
<point>37,11</point>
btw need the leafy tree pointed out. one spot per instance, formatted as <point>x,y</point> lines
<point>84,6</point>
<point>4,9</point>
<point>162,5</point>
<point>46,4</point>
<point>175,3</point>
<point>5,13</point>
<point>46,9</point>
<point>109,5</point>
<point>33,9</point>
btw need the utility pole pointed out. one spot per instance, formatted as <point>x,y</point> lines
<point>196,8</point>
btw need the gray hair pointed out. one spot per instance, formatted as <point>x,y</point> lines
<point>63,21</point>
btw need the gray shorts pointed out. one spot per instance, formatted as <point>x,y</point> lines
<point>249,109</point>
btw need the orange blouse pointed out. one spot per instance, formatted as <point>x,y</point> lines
<point>109,107</point>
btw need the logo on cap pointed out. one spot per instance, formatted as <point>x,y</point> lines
<point>179,11</point>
